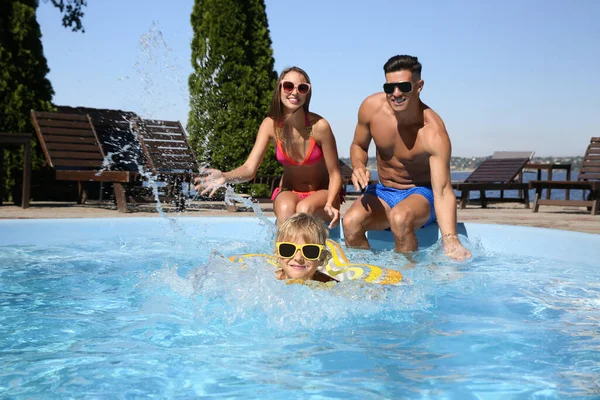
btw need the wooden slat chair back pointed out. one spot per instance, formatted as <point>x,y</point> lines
<point>590,167</point>
<point>117,138</point>
<point>346,172</point>
<point>168,154</point>
<point>496,174</point>
<point>166,147</point>
<point>71,146</point>
<point>588,179</point>
<point>68,141</point>
<point>514,154</point>
<point>497,170</point>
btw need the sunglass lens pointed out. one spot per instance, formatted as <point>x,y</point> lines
<point>287,250</point>
<point>388,88</point>
<point>405,87</point>
<point>311,252</point>
<point>288,87</point>
<point>303,88</point>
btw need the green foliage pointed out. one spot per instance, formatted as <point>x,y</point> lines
<point>23,83</point>
<point>257,190</point>
<point>72,14</point>
<point>232,83</point>
<point>23,70</point>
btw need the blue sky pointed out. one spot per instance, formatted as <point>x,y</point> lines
<point>504,75</point>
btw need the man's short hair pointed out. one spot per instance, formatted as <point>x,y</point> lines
<point>404,62</point>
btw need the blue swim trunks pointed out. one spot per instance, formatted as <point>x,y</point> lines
<point>393,196</point>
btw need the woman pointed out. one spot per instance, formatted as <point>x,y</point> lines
<point>306,148</point>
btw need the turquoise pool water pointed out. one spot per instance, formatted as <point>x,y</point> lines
<point>150,308</point>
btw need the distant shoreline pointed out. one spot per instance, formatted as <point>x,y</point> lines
<point>469,164</point>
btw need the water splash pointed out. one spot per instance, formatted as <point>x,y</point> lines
<point>231,196</point>
<point>161,75</point>
<point>161,78</point>
<point>128,155</point>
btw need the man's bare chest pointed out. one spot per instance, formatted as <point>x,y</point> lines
<point>395,142</point>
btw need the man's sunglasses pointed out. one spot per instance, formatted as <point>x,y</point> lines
<point>404,87</point>
<point>288,87</point>
<point>309,251</point>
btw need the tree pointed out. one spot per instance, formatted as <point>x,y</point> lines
<point>23,70</point>
<point>72,14</point>
<point>232,82</point>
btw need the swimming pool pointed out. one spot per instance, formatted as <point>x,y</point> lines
<point>127,308</point>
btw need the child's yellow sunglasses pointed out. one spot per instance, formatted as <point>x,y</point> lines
<point>310,251</point>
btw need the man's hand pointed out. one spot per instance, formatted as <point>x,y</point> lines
<point>212,180</point>
<point>334,213</point>
<point>360,178</point>
<point>454,249</point>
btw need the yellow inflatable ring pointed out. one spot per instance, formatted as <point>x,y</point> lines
<point>339,267</point>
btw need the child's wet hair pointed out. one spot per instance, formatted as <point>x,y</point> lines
<point>310,228</point>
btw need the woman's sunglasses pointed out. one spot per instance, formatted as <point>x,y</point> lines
<point>404,87</point>
<point>288,87</point>
<point>309,251</point>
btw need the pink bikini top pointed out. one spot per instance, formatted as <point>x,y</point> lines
<point>313,155</point>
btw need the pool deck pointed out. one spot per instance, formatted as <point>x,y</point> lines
<point>565,218</point>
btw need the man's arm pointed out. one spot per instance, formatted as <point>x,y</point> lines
<point>444,199</point>
<point>360,146</point>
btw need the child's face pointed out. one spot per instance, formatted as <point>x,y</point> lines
<point>298,267</point>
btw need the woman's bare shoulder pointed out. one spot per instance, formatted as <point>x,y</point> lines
<point>318,122</point>
<point>313,118</point>
<point>268,126</point>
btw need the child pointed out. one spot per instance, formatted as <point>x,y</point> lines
<point>300,249</point>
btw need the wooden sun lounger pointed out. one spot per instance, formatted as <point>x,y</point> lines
<point>495,174</point>
<point>72,148</point>
<point>168,154</point>
<point>587,180</point>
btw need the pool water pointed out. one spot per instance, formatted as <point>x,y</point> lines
<point>112,309</point>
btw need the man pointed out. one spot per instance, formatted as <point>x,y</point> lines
<point>413,163</point>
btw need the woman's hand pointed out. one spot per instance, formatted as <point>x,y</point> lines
<point>334,214</point>
<point>213,179</point>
